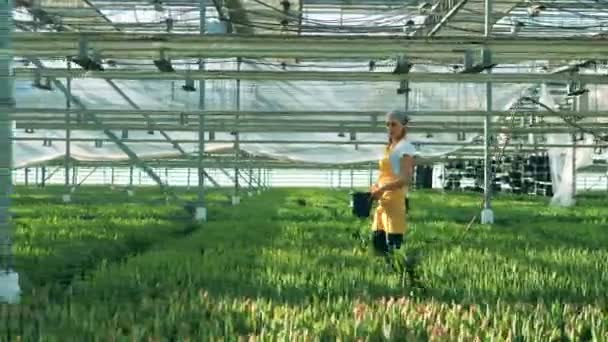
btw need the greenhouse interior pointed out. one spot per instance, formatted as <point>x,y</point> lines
<point>291,170</point>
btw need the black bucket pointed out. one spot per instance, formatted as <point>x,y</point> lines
<point>362,204</point>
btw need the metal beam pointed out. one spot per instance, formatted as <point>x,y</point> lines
<point>334,125</point>
<point>314,142</point>
<point>145,115</point>
<point>24,113</point>
<point>301,128</point>
<point>487,214</point>
<point>201,211</point>
<point>116,88</point>
<point>447,17</point>
<point>271,165</point>
<point>185,164</point>
<point>126,45</point>
<point>336,76</point>
<point>113,138</point>
<point>7,102</point>
<point>124,148</point>
<point>100,14</point>
<point>68,135</point>
<point>236,147</point>
<point>213,181</point>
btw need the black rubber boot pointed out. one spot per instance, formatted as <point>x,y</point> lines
<point>379,242</point>
<point>395,241</point>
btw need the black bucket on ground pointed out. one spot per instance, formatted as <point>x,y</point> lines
<point>362,204</point>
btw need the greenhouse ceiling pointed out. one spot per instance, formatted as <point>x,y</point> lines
<point>556,44</point>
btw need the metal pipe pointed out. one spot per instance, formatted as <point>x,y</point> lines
<point>43,177</point>
<point>250,181</point>
<point>107,132</point>
<point>487,216</point>
<point>311,142</point>
<point>201,107</point>
<point>334,76</point>
<point>487,176</point>
<point>129,45</point>
<point>306,128</point>
<point>112,177</point>
<point>488,19</point>
<point>573,165</point>
<point>269,177</point>
<point>260,184</point>
<point>236,133</point>
<point>131,177</point>
<point>68,130</point>
<point>42,113</point>
<point>7,102</point>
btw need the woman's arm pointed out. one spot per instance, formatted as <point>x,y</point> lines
<point>405,176</point>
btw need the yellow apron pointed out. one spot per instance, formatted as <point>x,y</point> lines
<point>390,213</point>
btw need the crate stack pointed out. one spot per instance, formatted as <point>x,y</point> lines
<point>518,174</point>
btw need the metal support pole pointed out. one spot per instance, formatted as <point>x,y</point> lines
<point>188,179</point>
<point>130,188</point>
<point>68,134</point>
<point>132,156</point>
<point>406,85</point>
<point>581,104</point>
<point>263,178</point>
<point>487,214</point>
<point>43,177</point>
<point>260,182</point>
<point>26,172</point>
<point>130,176</point>
<point>201,210</point>
<point>235,197</point>
<point>371,175</point>
<point>267,177</point>
<point>112,177</point>
<point>573,166</point>
<point>250,183</point>
<point>488,18</point>
<point>7,103</point>
<point>74,177</point>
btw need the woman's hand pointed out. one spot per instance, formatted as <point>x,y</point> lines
<point>377,191</point>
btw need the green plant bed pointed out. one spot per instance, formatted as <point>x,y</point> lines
<point>279,270</point>
<point>55,242</point>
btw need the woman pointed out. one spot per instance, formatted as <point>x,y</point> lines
<point>396,168</point>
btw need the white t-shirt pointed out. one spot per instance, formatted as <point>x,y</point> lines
<point>403,148</point>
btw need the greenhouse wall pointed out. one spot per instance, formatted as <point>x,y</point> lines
<point>325,178</point>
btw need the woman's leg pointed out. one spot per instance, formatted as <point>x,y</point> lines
<point>379,231</point>
<point>396,225</point>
